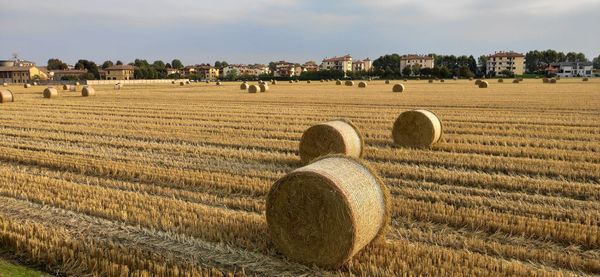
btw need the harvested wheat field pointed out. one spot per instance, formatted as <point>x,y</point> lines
<point>168,179</point>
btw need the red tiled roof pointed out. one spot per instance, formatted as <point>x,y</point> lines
<point>338,59</point>
<point>416,57</point>
<point>509,54</point>
<point>121,67</point>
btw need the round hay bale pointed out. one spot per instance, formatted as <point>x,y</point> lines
<point>65,87</point>
<point>516,81</point>
<point>442,80</point>
<point>362,84</point>
<point>520,79</point>
<point>470,78</point>
<point>291,82</point>
<point>387,82</point>
<point>187,82</point>
<point>477,82</point>
<point>173,82</point>
<point>218,83</point>
<point>274,82</point>
<point>244,86</point>
<point>253,89</point>
<point>6,96</point>
<point>182,83</point>
<point>338,83</point>
<point>404,80</point>
<point>27,85</point>
<point>417,129</point>
<point>77,83</point>
<point>295,81</point>
<point>5,84</point>
<point>35,83</point>
<point>500,80</point>
<point>338,136</point>
<point>553,81</point>
<point>483,84</point>
<point>308,82</point>
<point>88,91</point>
<point>263,87</point>
<point>326,212</point>
<point>349,83</point>
<point>50,92</point>
<point>430,81</point>
<point>584,80</point>
<point>557,77</point>
<point>398,88</point>
<point>322,81</point>
<point>546,80</point>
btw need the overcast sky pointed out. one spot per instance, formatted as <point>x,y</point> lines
<point>259,31</point>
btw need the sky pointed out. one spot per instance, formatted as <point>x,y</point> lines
<point>259,31</point>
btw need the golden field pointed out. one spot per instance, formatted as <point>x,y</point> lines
<point>171,180</point>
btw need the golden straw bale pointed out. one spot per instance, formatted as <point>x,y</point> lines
<point>6,96</point>
<point>338,136</point>
<point>253,89</point>
<point>88,91</point>
<point>417,129</point>
<point>398,88</point>
<point>324,213</point>
<point>50,92</point>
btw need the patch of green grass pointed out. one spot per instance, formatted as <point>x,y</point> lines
<point>8,269</point>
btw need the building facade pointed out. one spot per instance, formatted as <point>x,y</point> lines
<point>21,74</point>
<point>362,65</point>
<point>423,61</point>
<point>311,66</point>
<point>343,63</point>
<point>284,69</point>
<point>207,72</point>
<point>505,61</point>
<point>574,69</point>
<point>58,75</point>
<point>120,72</point>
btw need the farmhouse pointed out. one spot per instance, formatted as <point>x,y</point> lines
<point>171,71</point>
<point>284,69</point>
<point>120,72</point>
<point>207,72</point>
<point>505,61</point>
<point>343,63</point>
<point>423,61</point>
<point>311,66</point>
<point>573,69</point>
<point>21,74</point>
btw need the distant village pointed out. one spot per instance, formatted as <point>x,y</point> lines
<point>499,64</point>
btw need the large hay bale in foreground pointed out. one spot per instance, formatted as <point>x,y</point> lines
<point>6,96</point>
<point>326,212</point>
<point>417,129</point>
<point>50,92</point>
<point>27,85</point>
<point>338,83</point>
<point>253,89</point>
<point>398,88</point>
<point>362,84</point>
<point>88,91</point>
<point>483,84</point>
<point>387,82</point>
<point>338,136</point>
<point>244,86</point>
<point>263,87</point>
<point>349,83</point>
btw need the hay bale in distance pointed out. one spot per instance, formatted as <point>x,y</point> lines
<point>338,136</point>
<point>326,212</point>
<point>27,85</point>
<point>430,81</point>
<point>338,83</point>
<point>349,83</point>
<point>417,129</point>
<point>6,96</point>
<point>483,84</point>
<point>470,78</point>
<point>72,88</point>
<point>274,82</point>
<point>308,81</point>
<point>65,87</point>
<point>500,80</point>
<point>218,83</point>
<point>362,84</point>
<point>173,82</point>
<point>477,82</point>
<point>263,87</point>
<point>291,82</point>
<point>398,88</point>
<point>88,91</point>
<point>546,80</point>
<point>553,81</point>
<point>77,83</point>
<point>182,83</point>
<point>387,82</point>
<point>244,86</point>
<point>118,86</point>
<point>516,81</point>
<point>253,89</point>
<point>583,80</point>
<point>50,92</point>
<point>442,80</point>
<point>5,84</point>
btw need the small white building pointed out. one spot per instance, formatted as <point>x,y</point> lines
<point>574,69</point>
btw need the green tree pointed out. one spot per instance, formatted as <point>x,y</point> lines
<point>56,64</point>
<point>416,69</point>
<point>119,63</point>
<point>177,64</point>
<point>107,64</point>
<point>388,64</point>
<point>232,75</point>
<point>482,61</point>
<point>406,71</point>
<point>597,62</point>
<point>91,67</point>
